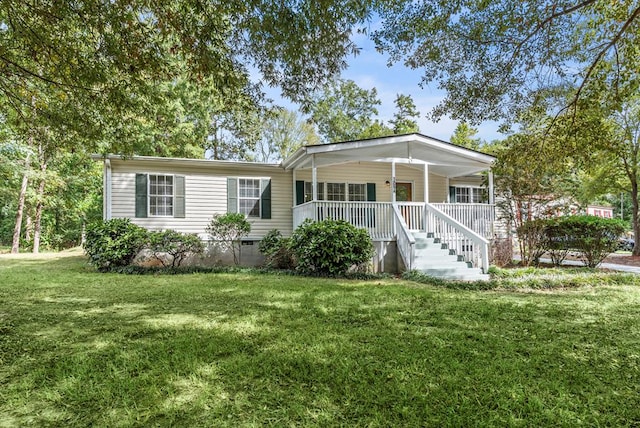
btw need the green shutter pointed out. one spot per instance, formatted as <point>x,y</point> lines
<point>232,195</point>
<point>178,197</point>
<point>299,192</point>
<point>265,199</point>
<point>371,192</point>
<point>141,195</point>
<point>452,194</point>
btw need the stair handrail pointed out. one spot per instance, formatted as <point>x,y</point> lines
<point>404,239</point>
<point>476,238</point>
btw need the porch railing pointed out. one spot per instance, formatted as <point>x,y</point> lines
<point>478,217</point>
<point>464,227</point>
<point>376,217</point>
<point>466,242</point>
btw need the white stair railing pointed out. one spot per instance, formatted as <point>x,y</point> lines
<point>464,241</point>
<point>405,241</point>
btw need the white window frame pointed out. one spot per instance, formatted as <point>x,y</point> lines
<point>471,189</point>
<point>323,188</point>
<point>364,195</point>
<point>149,195</point>
<point>259,198</point>
<point>308,196</point>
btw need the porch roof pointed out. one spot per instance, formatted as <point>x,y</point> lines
<point>443,158</point>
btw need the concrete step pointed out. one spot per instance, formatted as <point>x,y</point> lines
<point>434,258</point>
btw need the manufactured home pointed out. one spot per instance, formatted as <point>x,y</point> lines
<point>427,204</point>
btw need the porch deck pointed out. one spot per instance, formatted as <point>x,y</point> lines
<point>464,228</point>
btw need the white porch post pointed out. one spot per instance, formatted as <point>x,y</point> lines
<point>393,182</point>
<point>447,184</point>
<point>294,188</point>
<point>426,183</point>
<point>314,178</point>
<point>106,196</point>
<point>491,195</point>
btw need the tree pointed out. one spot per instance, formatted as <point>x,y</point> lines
<point>403,119</point>
<point>493,58</point>
<point>283,132</point>
<point>463,136</point>
<point>343,111</point>
<point>527,189</point>
<point>107,59</point>
<point>613,155</point>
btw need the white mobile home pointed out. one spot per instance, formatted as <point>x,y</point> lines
<point>411,192</point>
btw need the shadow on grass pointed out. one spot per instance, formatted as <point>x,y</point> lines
<point>244,350</point>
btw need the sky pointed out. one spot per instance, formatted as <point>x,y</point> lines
<point>369,70</point>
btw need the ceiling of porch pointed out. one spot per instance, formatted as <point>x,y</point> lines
<point>414,149</point>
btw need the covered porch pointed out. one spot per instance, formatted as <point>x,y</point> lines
<point>397,187</point>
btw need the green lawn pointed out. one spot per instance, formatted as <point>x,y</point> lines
<point>79,348</point>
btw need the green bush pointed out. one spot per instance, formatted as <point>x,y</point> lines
<point>175,244</point>
<point>114,243</point>
<point>329,247</point>
<point>594,237</point>
<point>228,229</point>
<point>276,250</point>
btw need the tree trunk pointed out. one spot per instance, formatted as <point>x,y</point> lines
<point>15,245</point>
<point>634,216</point>
<point>28,228</point>
<point>39,207</point>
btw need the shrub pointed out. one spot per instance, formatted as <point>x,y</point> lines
<point>276,250</point>
<point>557,239</point>
<point>175,244</point>
<point>594,237</point>
<point>228,229</point>
<point>114,243</point>
<point>329,247</point>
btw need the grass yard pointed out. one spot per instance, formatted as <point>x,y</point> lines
<point>80,348</point>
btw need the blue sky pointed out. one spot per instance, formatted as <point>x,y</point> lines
<point>369,69</point>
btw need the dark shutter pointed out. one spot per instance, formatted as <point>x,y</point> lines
<point>232,195</point>
<point>371,192</point>
<point>299,192</point>
<point>141,195</point>
<point>452,194</point>
<point>178,197</point>
<point>265,199</point>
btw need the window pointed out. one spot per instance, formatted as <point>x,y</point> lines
<point>308,191</point>
<point>249,197</point>
<point>468,195</point>
<point>357,192</point>
<point>160,195</point>
<point>336,192</point>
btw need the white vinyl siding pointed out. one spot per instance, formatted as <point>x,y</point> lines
<point>206,194</point>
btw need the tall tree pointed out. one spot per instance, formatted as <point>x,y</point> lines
<point>343,111</point>
<point>494,57</point>
<point>283,132</point>
<point>404,118</point>
<point>109,58</point>
<point>613,150</point>
<point>464,135</point>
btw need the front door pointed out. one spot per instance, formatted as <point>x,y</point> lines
<point>410,214</point>
<point>403,192</point>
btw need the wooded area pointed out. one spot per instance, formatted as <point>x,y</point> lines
<point>174,79</point>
